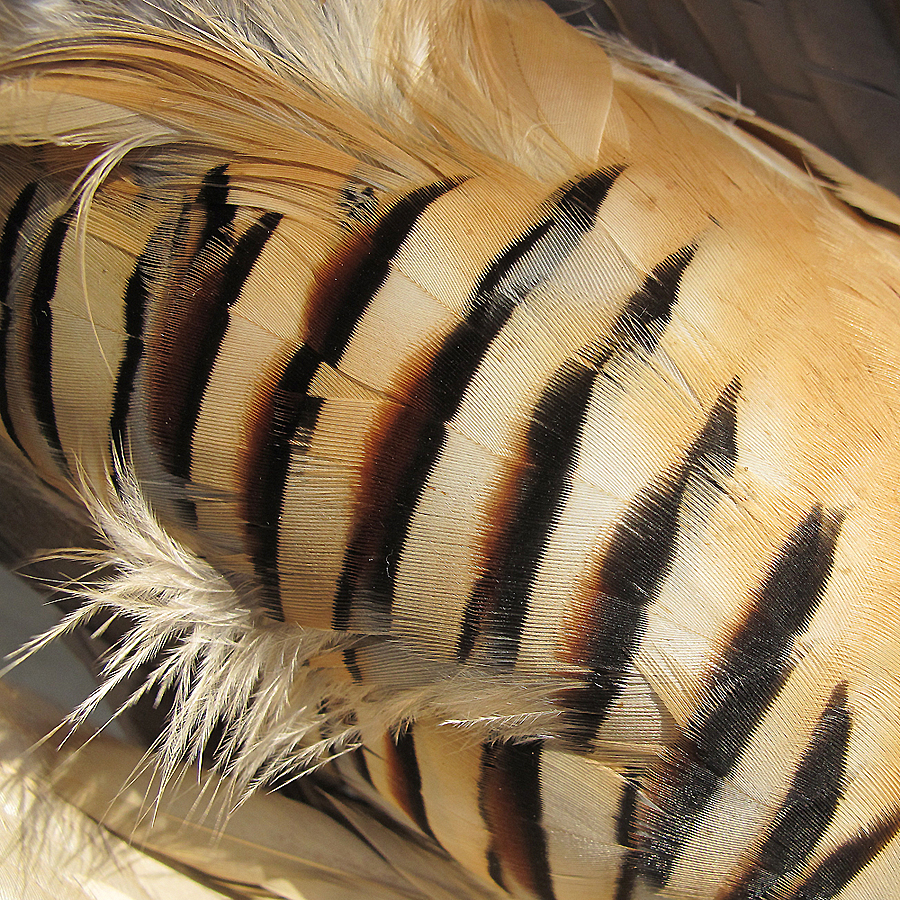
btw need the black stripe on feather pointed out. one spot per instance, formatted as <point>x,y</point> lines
<point>806,811</point>
<point>220,289</point>
<point>8,243</point>
<point>542,476</point>
<point>750,676</point>
<point>343,295</point>
<point>842,865</point>
<point>509,797</point>
<point>629,578</point>
<point>41,344</point>
<point>414,437</point>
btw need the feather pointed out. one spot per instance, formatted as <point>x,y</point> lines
<point>490,427</point>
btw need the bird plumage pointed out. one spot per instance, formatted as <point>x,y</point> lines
<point>493,408</point>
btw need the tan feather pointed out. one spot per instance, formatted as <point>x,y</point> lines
<point>491,406</point>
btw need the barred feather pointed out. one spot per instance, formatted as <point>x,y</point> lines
<point>488,409</point>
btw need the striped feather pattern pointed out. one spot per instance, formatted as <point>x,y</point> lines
<point>483,402</point>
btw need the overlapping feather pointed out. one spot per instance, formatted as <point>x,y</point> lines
<point>299,95</point>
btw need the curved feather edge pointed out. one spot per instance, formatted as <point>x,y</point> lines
<point>469,82</point>
<point>460,77</point>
